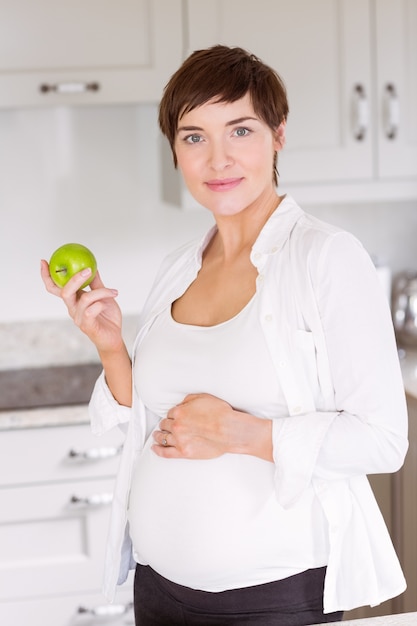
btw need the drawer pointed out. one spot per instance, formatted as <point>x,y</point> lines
<point>39,455</point>
<point>71,610</point>
<point>53,538</point>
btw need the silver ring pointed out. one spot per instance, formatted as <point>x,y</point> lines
<point>164,441</point>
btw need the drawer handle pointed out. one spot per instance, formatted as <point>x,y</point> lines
<point>94,454</point>
<point>97,499</point>
<point>360,113</point>
<point>111,610</point>
<point>69,88</point>
<point>392,111</point>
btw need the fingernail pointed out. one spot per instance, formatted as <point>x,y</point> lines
<point>86,272</point>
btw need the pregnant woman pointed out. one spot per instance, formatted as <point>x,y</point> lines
<point>263,386</point>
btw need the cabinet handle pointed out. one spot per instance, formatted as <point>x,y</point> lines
<point>360,113</point>
<point>69,88</point>
<point>97,499</point>
<point>111,610</point>
<point>391,111</point>
<point>94,454</point>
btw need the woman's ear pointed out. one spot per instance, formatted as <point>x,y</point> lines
<point>280,136</point>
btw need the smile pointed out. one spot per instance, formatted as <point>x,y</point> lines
<point>223,184</point>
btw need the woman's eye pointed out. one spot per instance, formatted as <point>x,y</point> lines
<point>193,138</point>
<point>242,132</point>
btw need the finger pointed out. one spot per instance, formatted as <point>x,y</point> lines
<point>47,280</point>
<point>97,282</point>
<point>71,292</point>
<point>89,303</point>
<point>166,452</point>
<point>166,424</point>
<point>192,396</point>
<point>76,282</point>
<point>84,315</point>
<point>162,438</point>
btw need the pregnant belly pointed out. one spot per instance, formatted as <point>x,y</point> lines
<point>193,521</point>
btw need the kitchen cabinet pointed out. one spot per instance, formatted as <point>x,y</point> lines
<point>406,513</point>
<point>384,488</point>
<point>396,87</point>
<point>350,67</point>
<point>96,52</point>
<point>56,486</point>
<point>62,611</point>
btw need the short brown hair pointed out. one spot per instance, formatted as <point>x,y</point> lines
<point>226,74</point>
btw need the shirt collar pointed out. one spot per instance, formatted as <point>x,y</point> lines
<point>277,228</point>
<point>276,232</point>
<point>272,237</point>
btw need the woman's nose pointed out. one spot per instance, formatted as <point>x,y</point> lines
<point>220,156</point>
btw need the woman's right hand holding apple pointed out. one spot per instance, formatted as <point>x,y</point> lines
<point>98,315</point>
<point>95,311</point>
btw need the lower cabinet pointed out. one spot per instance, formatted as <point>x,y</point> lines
<point>56,488</point>
<point>69,610</point>
<point>383,488</point>
<point>405,518</point>
<point>397,497</point>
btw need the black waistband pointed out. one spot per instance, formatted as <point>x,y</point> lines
<point>289,594</point>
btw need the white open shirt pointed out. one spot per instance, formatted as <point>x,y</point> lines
<point>328,327</point>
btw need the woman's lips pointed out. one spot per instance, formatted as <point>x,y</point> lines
<point>223,184</point>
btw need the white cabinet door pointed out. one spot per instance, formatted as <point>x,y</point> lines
<point>321,49</point>
<point>70,610</point>
<point>53,538</point>
<point>100,51</point>
<point>69,453</point>
<point>56,487</point>
<point>405,514</point>
<point>396,38</point>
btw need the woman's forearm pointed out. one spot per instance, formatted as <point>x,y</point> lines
<point>253,436</point>
<point>118,372</point>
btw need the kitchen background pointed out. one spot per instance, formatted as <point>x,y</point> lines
<point>82,159</point>
<point>93,175</point>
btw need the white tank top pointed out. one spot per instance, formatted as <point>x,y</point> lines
<point>216,524</point>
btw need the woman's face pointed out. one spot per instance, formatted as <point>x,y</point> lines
<point>225,153</point>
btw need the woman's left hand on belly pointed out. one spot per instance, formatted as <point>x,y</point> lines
<point>203,426</point>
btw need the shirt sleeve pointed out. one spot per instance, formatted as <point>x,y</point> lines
<point>366,433</point>
<point>105,412</point>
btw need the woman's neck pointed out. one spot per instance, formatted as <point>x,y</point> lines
<point>237,233</point>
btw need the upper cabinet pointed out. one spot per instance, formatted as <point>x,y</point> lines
<point>350,67</point>
<point>396,87</point>
<point>101,51</point>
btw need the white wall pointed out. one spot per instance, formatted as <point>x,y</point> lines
<point>88,175</point>
<point>92,175</point>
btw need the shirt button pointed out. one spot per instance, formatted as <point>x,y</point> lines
<point>274,249</point>
<point>281,363</point>
<point>268,318</point>
<point>260,277</point>
<point>296,409</point>
<point>257,256</point>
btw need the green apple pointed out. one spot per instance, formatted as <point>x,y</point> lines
<point>70,259</point>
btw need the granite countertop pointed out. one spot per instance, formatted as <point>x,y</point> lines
<point>47,372</point>
<point>401,619</point>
